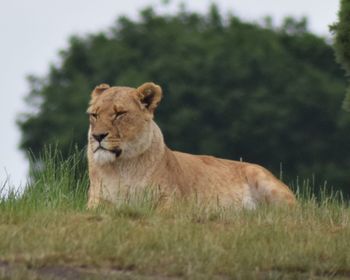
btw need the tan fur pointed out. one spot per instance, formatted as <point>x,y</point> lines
<point>126,114</point>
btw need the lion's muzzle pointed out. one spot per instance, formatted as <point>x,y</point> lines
<point>117,151</point>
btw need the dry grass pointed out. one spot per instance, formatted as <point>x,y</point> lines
<point>47,233</point>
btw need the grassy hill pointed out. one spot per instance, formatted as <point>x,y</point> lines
<point>46,233</point>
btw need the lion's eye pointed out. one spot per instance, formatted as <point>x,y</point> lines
<point>93,115</point>
<point>119,114</point>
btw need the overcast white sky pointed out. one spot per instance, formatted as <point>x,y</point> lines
<point>32,32</point>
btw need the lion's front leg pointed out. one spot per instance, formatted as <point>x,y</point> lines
<point>93,196</point>
<point>95,189</point>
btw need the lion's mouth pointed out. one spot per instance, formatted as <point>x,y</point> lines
<point>117,151</point>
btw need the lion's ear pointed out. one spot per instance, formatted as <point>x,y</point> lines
<point>150,95</point>
<point>99,89</point>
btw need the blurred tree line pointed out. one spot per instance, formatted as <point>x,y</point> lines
<point>342,43</point>
<point>232,89</point>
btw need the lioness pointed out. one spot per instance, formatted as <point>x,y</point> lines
<point>126,151</point>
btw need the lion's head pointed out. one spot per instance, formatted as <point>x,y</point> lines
<point>121,121</point>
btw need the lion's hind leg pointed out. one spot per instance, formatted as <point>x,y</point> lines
<point>266,188</point>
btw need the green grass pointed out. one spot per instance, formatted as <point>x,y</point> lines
<point>46,233</point>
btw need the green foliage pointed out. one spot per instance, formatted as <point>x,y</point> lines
<point>231,89</point>
<point>56,183</point>
<point>342,42</point>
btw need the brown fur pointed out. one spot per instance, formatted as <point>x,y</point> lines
<point>126,114</point>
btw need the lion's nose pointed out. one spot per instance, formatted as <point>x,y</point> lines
<point>100,137</point>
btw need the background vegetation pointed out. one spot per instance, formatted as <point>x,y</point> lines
<point>342,42</point>
<point>267,94</point>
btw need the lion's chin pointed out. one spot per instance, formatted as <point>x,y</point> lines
<point>104,157</point>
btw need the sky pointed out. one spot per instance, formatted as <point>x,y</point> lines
<point>32,33</point>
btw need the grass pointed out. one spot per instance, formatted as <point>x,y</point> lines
<point>47,233</point>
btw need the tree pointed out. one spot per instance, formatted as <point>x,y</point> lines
<point>231,89</point>
<point>342,42</point>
